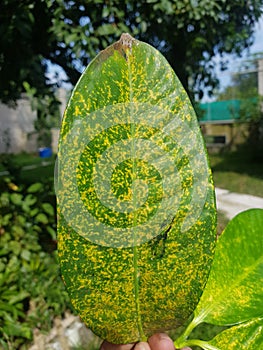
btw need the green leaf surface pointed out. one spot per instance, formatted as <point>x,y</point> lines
<point>35,187</point>
<point>16,198</point>
<point>137,218</point>
<point>42,218</point>
<point>234,293</point>
<point>246,336</point>
<point>13,329</point>
<point>48,208</point>
<point>18,297</point>
<point>30,200</point>
<point>52,232</point>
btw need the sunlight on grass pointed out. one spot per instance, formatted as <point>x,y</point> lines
<point>238,172</point>
<point>240,183</point>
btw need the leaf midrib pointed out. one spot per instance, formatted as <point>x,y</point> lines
<point>222,296</point>
<point>135,248</point>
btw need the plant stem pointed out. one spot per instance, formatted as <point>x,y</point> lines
<point>181,341</point>
<point>197,342</point>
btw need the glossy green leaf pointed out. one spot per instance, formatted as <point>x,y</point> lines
<point>42,218</point>
<point>136,225</point>
<point>30,200</point>
<point>246,336</point>
<point>234,293</point>
<point>16,198</point>
<point>48,208</point>
<point>15,329</point>
<point>18,297</point>
<point>35,187</point>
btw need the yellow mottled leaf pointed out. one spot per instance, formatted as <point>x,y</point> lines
<point>136,225</point>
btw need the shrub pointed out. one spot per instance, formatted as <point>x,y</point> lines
<point>31,291</point>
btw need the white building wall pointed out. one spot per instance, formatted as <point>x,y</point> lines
<point>16,126</point>
<point>17,133</point>
<point>260,77</point>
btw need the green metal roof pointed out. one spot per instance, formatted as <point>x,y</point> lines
<point>220,111</point>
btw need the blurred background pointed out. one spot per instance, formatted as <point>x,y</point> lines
<point>216,49</point>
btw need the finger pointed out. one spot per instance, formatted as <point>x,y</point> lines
<point>109,346</point>
<point>142,346</point>
<point>161,341</point>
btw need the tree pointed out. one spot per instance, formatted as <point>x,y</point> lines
<point>69,33</point>
<point>244,82</point>
<point>244,87</point>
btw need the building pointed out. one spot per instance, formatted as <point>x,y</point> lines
<point>17,132</point>
<point>220,121</point>
<point>221,124</point>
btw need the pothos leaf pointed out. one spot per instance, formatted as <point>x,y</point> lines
<point>233,293</point>
<point>245,336</point>
<point>137,218</point>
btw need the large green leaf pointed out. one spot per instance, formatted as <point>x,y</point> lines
<point>136,226</point>
<point>246,336</point>
<point>234,293</point>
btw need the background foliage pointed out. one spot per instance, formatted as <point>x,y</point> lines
<point>34,33</point>
<point>244,86</point>
<point>69,34</point>
<point>31,291</point>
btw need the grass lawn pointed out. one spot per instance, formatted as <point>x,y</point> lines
<point>22,159</point>
<point>30,167</point>
<point>43,171</point>
<point>238,172</point>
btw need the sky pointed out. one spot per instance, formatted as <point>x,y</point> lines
<point>258,45</point>
<point>224,77</point>
<point>234,63</point>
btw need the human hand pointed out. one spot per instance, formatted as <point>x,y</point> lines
<point>159,341</point>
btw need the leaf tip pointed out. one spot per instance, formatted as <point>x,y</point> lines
<point>126,41</point>
<point>124,44</point>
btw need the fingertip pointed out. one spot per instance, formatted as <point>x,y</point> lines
<point>161,341</point>
<point>109,346</point>
<point>142,346</point>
